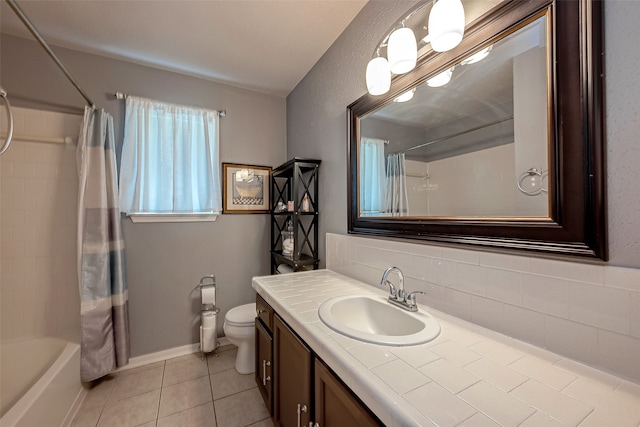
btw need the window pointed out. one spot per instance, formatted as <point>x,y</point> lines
<point>170,165</point>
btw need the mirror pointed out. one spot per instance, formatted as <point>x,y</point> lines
<point>470,142</point>
<point>499,143</point>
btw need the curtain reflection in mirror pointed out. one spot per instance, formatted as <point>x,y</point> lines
<point>396,203</point>
<point>372,173</point>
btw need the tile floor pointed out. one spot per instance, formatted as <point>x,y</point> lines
<point>185,391</point>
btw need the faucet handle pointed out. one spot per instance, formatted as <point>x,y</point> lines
<point>393,291</point>
<point>411,297</point>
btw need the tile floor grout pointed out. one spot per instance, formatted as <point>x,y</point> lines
<point>192,413</point>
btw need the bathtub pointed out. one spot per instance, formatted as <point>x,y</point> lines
<point>40,382</point>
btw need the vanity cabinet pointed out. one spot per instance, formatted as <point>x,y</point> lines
<point>264,351</point>
<point>304,390</point>
<point>292,377</point>
<point>294,203</point>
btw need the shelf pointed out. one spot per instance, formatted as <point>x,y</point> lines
<point>304,259</point>
<point>295,181</point>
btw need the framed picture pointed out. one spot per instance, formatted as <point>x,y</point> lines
<point>245,188</point>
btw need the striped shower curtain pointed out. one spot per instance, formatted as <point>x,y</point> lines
<point>104,318</point>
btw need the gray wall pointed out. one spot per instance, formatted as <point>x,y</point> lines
<point>317,124</point>
<point>166,261</point>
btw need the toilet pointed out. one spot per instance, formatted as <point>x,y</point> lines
<point>239,328</point>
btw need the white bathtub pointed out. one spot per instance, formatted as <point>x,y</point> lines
<point>40,382</point>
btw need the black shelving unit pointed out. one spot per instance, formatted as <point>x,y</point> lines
<point>290,183</point>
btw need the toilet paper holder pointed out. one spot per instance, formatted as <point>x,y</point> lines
<point>206,285</point>
<point>208,315</point>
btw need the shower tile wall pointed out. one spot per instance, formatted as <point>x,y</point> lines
<point>38,191</point>
<point>588,312</point>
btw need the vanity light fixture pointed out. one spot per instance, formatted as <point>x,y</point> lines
<point>402,51</point>
<point>446,23</point>
<point>440,79</point>
<point>378,76</point>
<point>408,95</point>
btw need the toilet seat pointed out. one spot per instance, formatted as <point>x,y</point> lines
<point>243,315</point>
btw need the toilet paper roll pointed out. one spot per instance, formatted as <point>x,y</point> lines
<point>208,318</point>
<point>208,295</point>
<point>208,338</point>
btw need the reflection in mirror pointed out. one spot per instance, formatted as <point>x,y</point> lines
<point>471,141</point>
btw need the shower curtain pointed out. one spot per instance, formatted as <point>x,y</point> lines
<point>396,203</point>
<point>104,318</point>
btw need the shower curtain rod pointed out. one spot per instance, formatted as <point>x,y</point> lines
<point>121,95</point>
<point>27,23</point>
<point>426,144</point>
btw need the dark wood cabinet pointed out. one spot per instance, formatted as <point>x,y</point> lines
<point>292,377</point>
<point>264,364</point>
<point>334,404</point>
<point>297,387</point>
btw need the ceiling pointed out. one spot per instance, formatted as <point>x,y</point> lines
<point>262,45</point>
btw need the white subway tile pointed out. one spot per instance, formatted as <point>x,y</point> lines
<point>455,353</point>
<point>470,278</point>
<point>448,375</point>
<point>589,273</point>
<point>457,303</point>
<point>600,417</point>
<point>620,353</point>
<point>603,379</point>
<point>602,399</point>
<point>437,404</point>
<point>546,295</point>
<point>461,255</point>
<point>415,356</point>
<point>505,262</point>
<point>502,377</point>
<point>544,372</point>
<point>600,306</point>
<point>564,408</point>
<point>504,285</point>
<point>540,419</point>
<point>487,312</point>
<point>400,376</point>
<point>479,420</point>
<point>621,277</point>
<point>371,355</point>
<point>445,272</point>
<point>497,352</point>
<point>571,339</point>
<point>496,404</point>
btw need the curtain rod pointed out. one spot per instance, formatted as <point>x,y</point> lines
<point>121,95</point>
<point>27,23</point>
<point>426,144</point>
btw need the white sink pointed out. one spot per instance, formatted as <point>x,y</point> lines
<point>372,319</point>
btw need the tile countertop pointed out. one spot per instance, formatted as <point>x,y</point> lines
<point>467,376</point>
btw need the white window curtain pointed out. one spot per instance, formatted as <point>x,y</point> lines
<point>373,184</point>
<point>170,159</point>
<point>396,203</point>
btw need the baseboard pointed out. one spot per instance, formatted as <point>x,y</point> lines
<point>75,407</point>
<point>159,356</point>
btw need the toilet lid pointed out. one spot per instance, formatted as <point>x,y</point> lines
<point>242,315</point>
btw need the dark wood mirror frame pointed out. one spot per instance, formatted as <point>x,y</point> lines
<point>577,223</point>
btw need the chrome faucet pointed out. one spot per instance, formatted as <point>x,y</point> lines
<point>398,296</point>
<point>394,293</point>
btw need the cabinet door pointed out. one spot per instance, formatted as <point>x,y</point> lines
<point>292,377</point>
<point>335,405</point>
<point>264,364</point>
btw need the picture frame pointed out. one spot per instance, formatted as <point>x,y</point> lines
<point>246,189</point>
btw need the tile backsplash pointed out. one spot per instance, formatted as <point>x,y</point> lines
<point>588,312</point>
<point>38,192</point>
